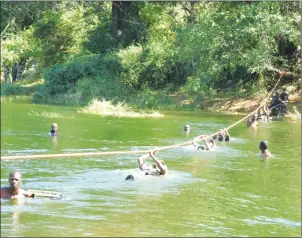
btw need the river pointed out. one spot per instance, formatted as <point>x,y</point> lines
<point>225,192</point>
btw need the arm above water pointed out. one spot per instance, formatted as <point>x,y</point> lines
<point>159,164</point>
<point>142,159</point>
<point>207,144</point>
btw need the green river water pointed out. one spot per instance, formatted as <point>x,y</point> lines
<point>225,192</point>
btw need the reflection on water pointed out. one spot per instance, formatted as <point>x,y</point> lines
<point>224,192</point>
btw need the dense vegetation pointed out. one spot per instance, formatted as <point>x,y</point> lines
<point>144,52</point>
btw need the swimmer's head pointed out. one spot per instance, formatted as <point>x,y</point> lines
<point>54,127</point>
<point>187,127</point>
<point>14,179</point>
<point>263,145</point>
<point>201,147</point>
<point>130,177</point>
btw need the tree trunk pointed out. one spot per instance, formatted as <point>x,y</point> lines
<point>119,12</point>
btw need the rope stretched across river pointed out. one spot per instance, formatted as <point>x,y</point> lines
<point>139,151</point>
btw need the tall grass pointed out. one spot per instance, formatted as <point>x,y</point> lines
<point>15,98</point>
<point>106,108</point>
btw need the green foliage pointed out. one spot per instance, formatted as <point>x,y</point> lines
<point>16,48</point>
<point>16,15</point>
<point>141,52</point>
<point>153,100</point>
<point>13,89</point>
<point>60,35</point>
<point>100,40</point>
<point>230,37</point>
<point>85,78</point>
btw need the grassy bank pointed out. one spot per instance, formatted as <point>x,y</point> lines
<point>226,102</point>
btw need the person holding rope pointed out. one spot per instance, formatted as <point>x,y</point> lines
<point>223,135</point>
<point>252,121</point>
<point>274,107</point>
<point>275,100</point>
<point>14,190</point>
<point>284,100</point>
<point>263,146</point>
<point>263,114</point>
<point>156,169</point>
<point>208,145</point>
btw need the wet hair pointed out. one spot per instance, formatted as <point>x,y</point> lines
<point>15,172</point>
<point>186,127</point>
<point>129,177</point>
<point>53,128</point>
<point>263,145</point>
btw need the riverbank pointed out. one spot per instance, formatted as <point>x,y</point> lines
<point>231,104</point>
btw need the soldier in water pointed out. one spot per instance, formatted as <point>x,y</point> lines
<point>14,190</point>
<point>252,121</point>
<point>223,135</point>
<point>207,146</point>
<point>187,128</point>
<point>264,150</point>
<point>156,169</point>
<point>54,129</point>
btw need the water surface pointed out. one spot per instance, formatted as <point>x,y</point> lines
<point>225,192</point>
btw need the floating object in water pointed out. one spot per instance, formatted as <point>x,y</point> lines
<point>46,194</point>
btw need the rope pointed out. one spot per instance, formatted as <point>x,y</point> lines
<point>136,152</point>
<point>261,104</point>
<point>73,154</point>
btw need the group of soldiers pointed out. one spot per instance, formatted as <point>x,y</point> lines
<point>14,73</point>
<point>278,107</point>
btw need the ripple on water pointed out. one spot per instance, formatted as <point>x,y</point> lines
<point>24,151</point>
<point>267,221</point>
<point>96,182</point>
